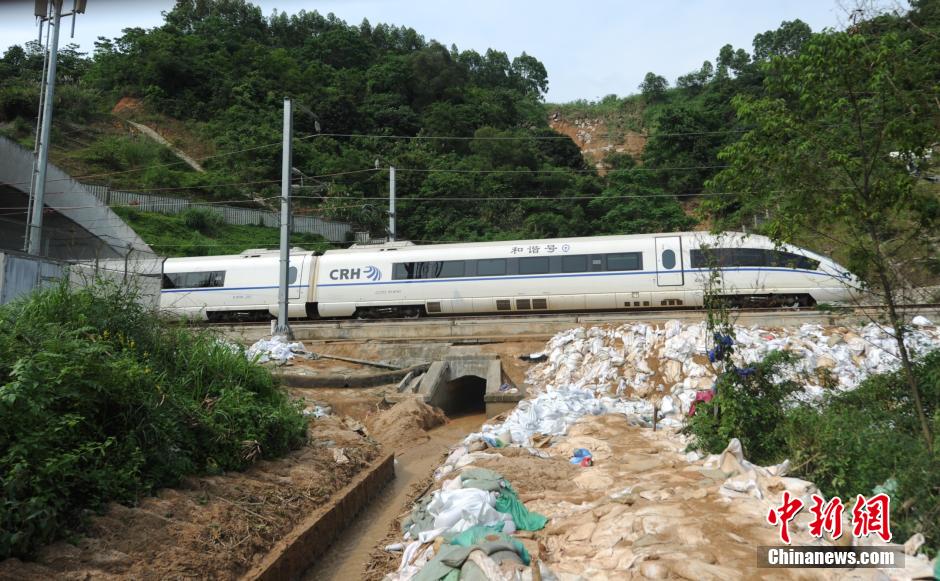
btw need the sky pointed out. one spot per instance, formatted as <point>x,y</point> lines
<point>591,48</point>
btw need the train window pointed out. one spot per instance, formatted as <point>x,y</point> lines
<point>597,262</point>
<point>709,257</point>
<point>292,275</point>
<point>750,257</point>
<point>669,259</point>
<point>728,257</point>
<point>452,269</point>
<point>433,269</point>
<point>791,260</point>
<point>625,261</point>
<point>194,279</point>
<point>574,263</point>
<point>491,267</point>
<point>410,270</point>
<point>534,265</point>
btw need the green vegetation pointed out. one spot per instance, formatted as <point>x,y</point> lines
<point>202,233</point>
<point>839,128</point>
<point>220,69</point>
<point>848,445</point>
<point>102,401</point>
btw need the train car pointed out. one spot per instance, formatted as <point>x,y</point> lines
<point>236,287</point>
<point>572,274</point>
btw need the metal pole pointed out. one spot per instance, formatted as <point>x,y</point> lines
<point>35,230</point>
<point>283,328</point>
<point>391,204</point>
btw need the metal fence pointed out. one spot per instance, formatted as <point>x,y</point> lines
<point>141,273</point>
<point>332,231</point>
<point>20,274</point>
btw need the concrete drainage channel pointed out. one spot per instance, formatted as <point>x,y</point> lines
<point>294,554</point>
<point>460,380</point>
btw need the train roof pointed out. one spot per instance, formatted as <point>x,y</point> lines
<point>250,253</point>
<point>451,245</point>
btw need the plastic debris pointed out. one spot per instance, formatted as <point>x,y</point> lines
<point>276,349</point>
<point>921,321</point>
<point>582,457</point>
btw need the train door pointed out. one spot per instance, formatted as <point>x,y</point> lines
<point>294,281</point>
<point>669,261</point>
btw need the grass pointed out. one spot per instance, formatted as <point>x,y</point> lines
<point>169,235</point>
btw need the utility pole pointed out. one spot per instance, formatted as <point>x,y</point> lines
<point>283,328</point>
<point>34,242</point>
<point>391,204</point>
<point>35,227</point>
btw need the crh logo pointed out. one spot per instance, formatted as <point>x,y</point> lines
<point>371,272</point>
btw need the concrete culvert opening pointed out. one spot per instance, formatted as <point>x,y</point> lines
<point>462,396</point>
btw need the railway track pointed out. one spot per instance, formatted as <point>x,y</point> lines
<point>533,326</point>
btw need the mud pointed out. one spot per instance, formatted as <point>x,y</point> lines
<point>351,555</point>
<point>210,527</point>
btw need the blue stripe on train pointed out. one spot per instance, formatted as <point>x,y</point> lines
<point>575,275</point>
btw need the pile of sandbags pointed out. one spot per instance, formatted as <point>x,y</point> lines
<point>669,364</point>
<point>277,349</point>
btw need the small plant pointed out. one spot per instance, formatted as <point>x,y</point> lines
<point>750,404</point>
<point>202,220</point>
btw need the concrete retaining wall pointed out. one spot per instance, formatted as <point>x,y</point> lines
<point>307,542</point>
<point>520,328</point>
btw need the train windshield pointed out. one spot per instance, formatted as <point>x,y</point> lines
<point>735,257</point>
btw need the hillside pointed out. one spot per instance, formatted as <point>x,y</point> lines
<point>476,157</point>
<point>479,153</point>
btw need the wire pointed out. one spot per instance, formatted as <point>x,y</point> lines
<point>558,170</point>
<point>499,137</point>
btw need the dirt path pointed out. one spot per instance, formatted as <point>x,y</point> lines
<point>351,552</point>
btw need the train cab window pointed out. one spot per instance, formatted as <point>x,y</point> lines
<point>534,265</point>
<point>750,257</point>
<point>791,260</point>
<point>491,267</point>
<point>574,263</point>
<point>208,279</point>
<point>292,275</point>
<point>625,261</point>
<point>669,259</point>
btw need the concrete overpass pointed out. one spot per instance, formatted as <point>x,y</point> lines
<point>76,225</point>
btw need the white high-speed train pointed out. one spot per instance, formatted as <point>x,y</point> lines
<point>567,274</point>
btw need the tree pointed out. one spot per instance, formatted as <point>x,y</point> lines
<point>828,154</point>
<point>531,75</point>
<point>785,41</point>
<point>653,87</point>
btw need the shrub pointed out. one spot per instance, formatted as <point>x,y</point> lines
<point>102,401</point>
<point>202,220</point>
<point>871,437</point>
<point>750,406</point>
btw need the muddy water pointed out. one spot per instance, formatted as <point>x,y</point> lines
<point>347,557</point>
